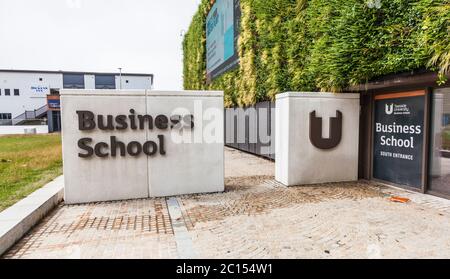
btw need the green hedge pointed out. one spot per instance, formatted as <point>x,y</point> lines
<point>322,45</point>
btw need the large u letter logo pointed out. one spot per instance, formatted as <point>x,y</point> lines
<point>389,109</point>
<point>315,131</point>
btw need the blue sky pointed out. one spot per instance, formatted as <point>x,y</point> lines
<point>96,35</point>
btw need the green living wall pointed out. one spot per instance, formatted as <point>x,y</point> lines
<point>322,45</point>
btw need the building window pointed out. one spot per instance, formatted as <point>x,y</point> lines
<point>440,142</point>
<point>7,92</point>
<point>5,116</point>
<point>127,81</point>
<point>16,92</point>
<point>5,119</point>
<point>73,81</point>
<point>40,79</point>
<point>105,82</point>
<point>0,92</point>
<point>54,91</point>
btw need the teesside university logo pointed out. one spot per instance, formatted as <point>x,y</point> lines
<point>397,109</point>
<point>315,131</point>
<point>389,109</point>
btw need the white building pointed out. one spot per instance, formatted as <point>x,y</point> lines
<point>25,91</point>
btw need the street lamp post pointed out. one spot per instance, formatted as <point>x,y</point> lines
<point>120,78</point>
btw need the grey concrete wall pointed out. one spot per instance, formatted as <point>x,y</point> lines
<point>298,161</point>
<point>193,163</point>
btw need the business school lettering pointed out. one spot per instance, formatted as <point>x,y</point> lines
<point>398,135</point>
<point>88,121</point>
<point>395,129</point>
<point>398,141</point>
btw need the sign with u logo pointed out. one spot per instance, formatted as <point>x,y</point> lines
<point>389,109</point>
<point>335,131</point>
<point>316,138</point>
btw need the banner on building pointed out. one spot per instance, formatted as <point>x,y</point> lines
<point>222,31</point>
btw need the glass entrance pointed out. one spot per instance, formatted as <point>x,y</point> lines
<point>439,180</point>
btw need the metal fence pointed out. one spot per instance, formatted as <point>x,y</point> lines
<point>252,129</point>
<point>31,115</point>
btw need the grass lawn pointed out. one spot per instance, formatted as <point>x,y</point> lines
<point>446,139</point>
<point>26,164</point>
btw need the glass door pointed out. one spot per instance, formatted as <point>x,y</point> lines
<point>439,177</point>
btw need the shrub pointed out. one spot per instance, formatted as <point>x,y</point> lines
<point>322,45</point>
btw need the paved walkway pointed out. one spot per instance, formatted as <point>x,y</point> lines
<point>256,217</point>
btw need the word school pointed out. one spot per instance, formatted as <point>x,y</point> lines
<point>398,129</point>
<point>88,121</point>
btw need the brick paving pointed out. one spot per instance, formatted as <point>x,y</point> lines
<point>255,217</point>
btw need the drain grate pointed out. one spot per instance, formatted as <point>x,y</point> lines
<point>141,223</point>
<point>138,216</point>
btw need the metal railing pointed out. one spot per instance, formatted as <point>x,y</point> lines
<point>252,129</point>
<point>30,115</point>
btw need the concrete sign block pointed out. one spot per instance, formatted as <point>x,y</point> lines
<point>195,163</point>
<point>316,138</point>
<point>121,145</point>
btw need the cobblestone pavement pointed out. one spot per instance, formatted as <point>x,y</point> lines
<point>255,217</point>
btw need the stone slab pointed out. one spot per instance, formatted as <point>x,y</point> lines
<point>187,167</point>
<point>18,219</point>
<point>298,161</point>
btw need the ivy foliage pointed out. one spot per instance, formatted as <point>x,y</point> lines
<point>322,45</point>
